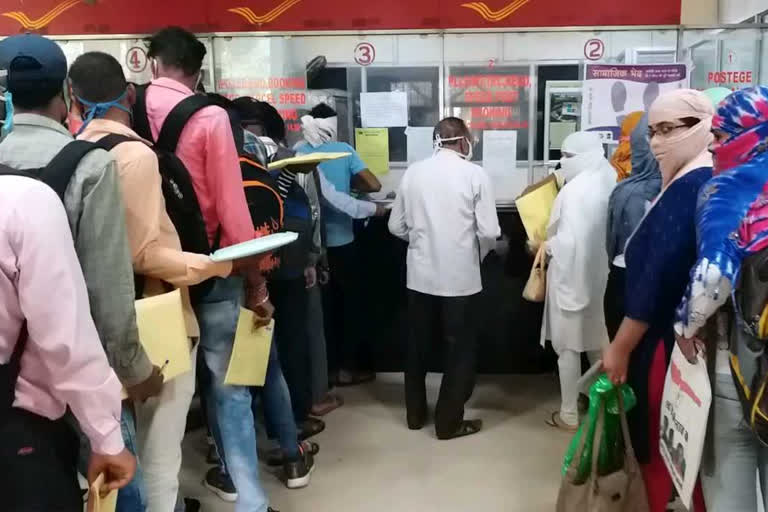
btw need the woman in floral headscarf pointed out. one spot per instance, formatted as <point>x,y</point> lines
<point>732,223</point>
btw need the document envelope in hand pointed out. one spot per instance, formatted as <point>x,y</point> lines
<point>250,354</point>
<point>307,158</point>
<point>535,206</point>
<point>163,333</point>
<point>98,504</point>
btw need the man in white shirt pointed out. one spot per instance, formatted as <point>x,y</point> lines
<point>446,210</point>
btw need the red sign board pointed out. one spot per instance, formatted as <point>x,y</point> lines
<point>69,17</point>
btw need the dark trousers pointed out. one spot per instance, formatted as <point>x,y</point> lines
<point>342,309</point>
<point>451,321</point>
<point>38,464</point>
<point>289,296</point>
<point>613,302</point>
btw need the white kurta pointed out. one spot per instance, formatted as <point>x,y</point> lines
<point>578,268</point>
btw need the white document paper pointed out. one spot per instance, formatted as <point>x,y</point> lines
<point>499,152</point>
<point>684,412</point>
<point>384,109</point>
<point>420,145</point>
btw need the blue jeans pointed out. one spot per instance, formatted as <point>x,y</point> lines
<point>217,313</point>
<point>278,413</point>
<point>132,497</point>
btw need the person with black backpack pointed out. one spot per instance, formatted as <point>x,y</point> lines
<point>105,98</point>
<point>184,125</point>
<point>85,176</point>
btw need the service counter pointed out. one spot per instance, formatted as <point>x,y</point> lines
<point>510,326</point>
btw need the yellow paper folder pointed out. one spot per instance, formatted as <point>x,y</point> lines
<point>98,504</point>
<point>308,158</point>
<point>163,333</point>
<point>535,206</point>
<point>250,353</point>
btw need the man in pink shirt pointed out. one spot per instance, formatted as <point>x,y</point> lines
<point>50,358</point>
<point>207,149</point>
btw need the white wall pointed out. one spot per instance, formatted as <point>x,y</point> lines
<point>736,11</point>
<point>701,12</point>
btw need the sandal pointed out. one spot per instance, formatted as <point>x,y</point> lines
<point>467,428</point>
<point>330,403</point>
<point>310,428</point>
<point>557,422</point>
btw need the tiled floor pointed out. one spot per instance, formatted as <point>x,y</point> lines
<point>370,462</point>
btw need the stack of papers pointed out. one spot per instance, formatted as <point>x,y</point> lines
<point>309,158</point>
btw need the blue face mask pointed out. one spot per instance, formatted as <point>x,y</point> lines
<point>97,110</point>
<point>8,121</point>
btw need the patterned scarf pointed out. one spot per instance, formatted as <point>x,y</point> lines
<point>743,119</point>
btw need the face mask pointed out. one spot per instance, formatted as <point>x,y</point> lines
<point>97,110</point>
<point>569,167</point>
<point>438,144</point>
<point>675,152</point>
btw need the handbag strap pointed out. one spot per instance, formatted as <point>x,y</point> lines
<point>578,454</point>
<point>598,439</point>
<point>539,258</point>
<point>629,450</point>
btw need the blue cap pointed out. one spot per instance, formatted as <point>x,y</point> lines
<point>30,61</point>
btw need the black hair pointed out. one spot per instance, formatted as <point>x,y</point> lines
<point>449,128</point>
<point>233,114</point>
<point>37,97</point>
<point>253,111</point>
<point>322,111</point>
<point>97,77</point>
<point>177,48</point>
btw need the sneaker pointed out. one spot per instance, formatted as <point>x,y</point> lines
<point>298,473</point>
<point>219,483</point>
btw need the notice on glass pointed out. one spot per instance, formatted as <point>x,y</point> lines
<point>384,109</point>
<point>372,144</point>
<point>419,143</point>
<point>499,152</point>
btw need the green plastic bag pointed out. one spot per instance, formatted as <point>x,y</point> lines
<point>611,456</point>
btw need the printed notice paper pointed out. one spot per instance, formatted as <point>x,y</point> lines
<point>250,353</point>
<point>372,144</point>
<point>384,109</point>
<point>499,152</point>
<point>163,333</point>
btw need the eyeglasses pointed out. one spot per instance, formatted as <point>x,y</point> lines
<point>664,129</point>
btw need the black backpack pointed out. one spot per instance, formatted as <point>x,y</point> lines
<point>180,199</point>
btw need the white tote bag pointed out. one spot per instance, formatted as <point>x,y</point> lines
<point>684,414</point>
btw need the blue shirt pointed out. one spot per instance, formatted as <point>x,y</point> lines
<point>339,172</point>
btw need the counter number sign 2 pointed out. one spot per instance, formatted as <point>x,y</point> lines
<point>136,59</point>
<point>365,54</point>
<point>594,49</point>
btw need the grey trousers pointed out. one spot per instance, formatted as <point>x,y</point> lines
<point>740,477</point>
<point>317,350</point>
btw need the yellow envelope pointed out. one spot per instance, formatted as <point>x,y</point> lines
<point>98,504</point>
<point>250,353</point>
<point>308,158</point>
<point>535,206</point>
<point>163,332</point>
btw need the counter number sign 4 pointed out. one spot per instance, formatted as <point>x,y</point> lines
<point>365,54</point>
<point>136,59</point>
<point>594,49</point>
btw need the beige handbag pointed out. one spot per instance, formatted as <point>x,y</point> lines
<point>621,491</point>
<point>536,288</point>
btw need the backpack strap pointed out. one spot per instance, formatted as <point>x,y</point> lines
<point>58,173</point>
<point>174,124</point>
<point>10,171</point>
<point>111,141</point>
<point>140,117</point>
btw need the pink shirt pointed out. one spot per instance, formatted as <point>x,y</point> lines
<point>207,149</point>
<point>40,280</point>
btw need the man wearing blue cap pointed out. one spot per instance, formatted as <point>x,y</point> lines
<point>34,70</point>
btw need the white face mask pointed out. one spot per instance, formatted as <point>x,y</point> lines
<point>438,144</point>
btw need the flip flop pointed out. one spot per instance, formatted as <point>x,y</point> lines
<point>556,422</point>
<point>467,428</point>
<point>330,403</point>
<point>310,427</point>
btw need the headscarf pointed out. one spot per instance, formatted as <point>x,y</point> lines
<point>622,157</point>
<point>743,117</point>
<point>683,150</point>
<point>731,220</point>
<point>587,148</point>
<point>630,198</point>
<point>319,131</point>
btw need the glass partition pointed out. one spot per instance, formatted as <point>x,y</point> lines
<point>722,57</point>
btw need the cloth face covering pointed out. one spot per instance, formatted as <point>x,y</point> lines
<point>319,131</point>
<point>682,145</point>
<point>622,157</point>
<point>587,151</point>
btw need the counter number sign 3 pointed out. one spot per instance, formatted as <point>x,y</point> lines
<point>136,59</point>
<point>594,49</point>
<point>365,54</point>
